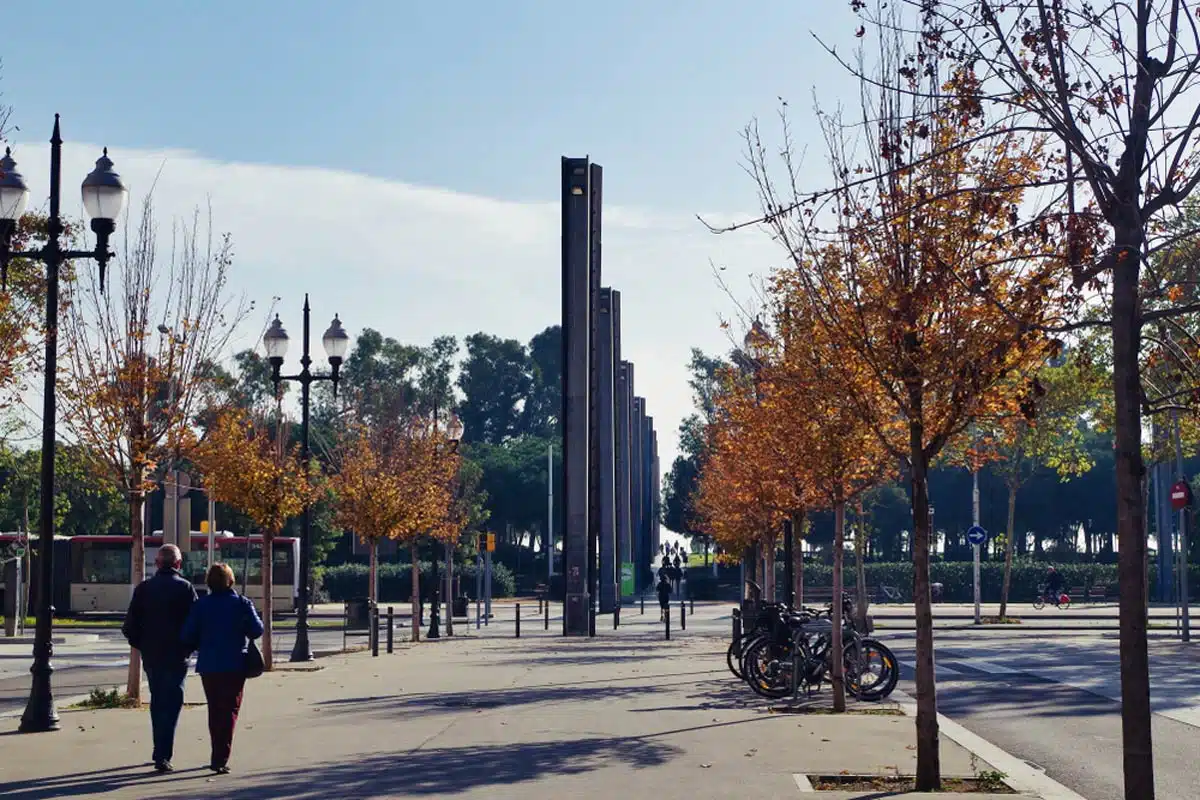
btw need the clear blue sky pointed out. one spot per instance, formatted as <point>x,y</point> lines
<point>476,96</point>
<point>456,113</point>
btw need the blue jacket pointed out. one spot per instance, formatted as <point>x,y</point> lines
<point>218,627</point>
<point>156,617</point>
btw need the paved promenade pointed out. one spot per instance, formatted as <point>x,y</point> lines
<point>534,718</point>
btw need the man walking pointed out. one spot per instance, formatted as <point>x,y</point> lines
<point>156,615</point>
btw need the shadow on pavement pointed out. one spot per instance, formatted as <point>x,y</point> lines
<point>451,702</point>
<point>97,781</point>
<point>449,771</point>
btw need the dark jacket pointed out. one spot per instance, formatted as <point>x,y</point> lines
<point>218,627</point>
<point>664,592</point>
<point>156,616</point>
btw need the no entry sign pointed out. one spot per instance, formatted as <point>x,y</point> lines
<point>1181,496</point>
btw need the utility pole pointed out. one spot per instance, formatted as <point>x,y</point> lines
<point>975,547</point>
<point>549,513</point>
<point>1185,632</point>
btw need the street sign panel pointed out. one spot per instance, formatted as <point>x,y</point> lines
<point>20,552</point>
<point>1181,496</point>
<point>491,542</point>
<point>976,535</point>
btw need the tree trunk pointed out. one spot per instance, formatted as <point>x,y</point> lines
<point>929,769</point>
<point>750,564</point>
<point>860,568</point>
<point>268,601</point>
<point>768,555</point>
<point>1131,534</point>
<point>1008,549</point>
<point>137,570</point>
<point>373,570</point>
<point>839,672</point>
<point>416,594</point>
<point>798,558</point>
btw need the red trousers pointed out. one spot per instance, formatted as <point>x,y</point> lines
<point>223,690</point>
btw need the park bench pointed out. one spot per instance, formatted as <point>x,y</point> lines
<point>1101,592</point>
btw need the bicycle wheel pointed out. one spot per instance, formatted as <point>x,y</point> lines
<point>768,668</point>
<point>872,671</point>
<point>1039,603</point>
<point>733,656</point>
<point>1064,606</point>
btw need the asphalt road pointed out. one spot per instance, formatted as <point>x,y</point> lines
<point>1049,701</point>
<point>81,668</point>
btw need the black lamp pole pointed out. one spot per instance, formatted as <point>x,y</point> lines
<point>40,713</point>
<point>435,614</point>
<point>335,340</point>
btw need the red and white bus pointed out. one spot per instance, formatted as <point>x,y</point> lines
<point>92,573</point>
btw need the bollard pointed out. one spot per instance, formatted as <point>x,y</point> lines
<point>667,624</point>
<point>616,616</point>
<point>518,620</point>
<point>391,618</point>
<point>546,611</point>
<point>643,603</point>
<point>692,606</point>
<point>737,632</point>
<point>682,615</point>
<point>374,630</point>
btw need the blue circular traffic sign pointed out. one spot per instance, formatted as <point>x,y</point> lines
<point>976,535</point>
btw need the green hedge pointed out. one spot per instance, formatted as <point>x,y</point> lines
<point>957,580</point>
<point>348,581</point>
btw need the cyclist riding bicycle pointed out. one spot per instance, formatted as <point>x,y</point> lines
<point>1054,584</point>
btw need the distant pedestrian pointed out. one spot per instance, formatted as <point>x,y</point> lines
<point>219,627</point>
<point>154,627</point>
<point>664,598</point>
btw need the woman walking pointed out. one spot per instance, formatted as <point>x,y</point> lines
<point>218,628</point>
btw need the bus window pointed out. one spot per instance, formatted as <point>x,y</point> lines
<point>283,571</point>
<point>101,562</point>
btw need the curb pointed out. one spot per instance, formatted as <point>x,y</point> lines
<point>64,703</point>
<point>1020,776</point>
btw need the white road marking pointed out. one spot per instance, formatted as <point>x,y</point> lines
<point>1018,774</point>
<point>802,782</point>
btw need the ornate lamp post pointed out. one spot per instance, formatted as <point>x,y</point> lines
<point>103,198</point>
<point>335,341</point>
<point>454,432</point>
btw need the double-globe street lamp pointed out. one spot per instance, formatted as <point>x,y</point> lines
<point>454,434</point>
<point>103,198</point>
<point>336,341</point>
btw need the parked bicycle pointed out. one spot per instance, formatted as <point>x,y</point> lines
<point>786,650</point>
<point>1060,599</point>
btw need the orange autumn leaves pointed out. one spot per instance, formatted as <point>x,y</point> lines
<point>249,467</point>
<point>398,482</point>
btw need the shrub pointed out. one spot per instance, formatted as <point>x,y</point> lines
<point>347,581</point>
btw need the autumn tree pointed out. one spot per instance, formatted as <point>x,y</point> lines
<point>838,453</point>
<point>249,467</point>
<point>1114,86</point>
<point>888,262</point>
<point>130,391</point>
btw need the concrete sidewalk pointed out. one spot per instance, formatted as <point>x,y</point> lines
<point>531,718</point>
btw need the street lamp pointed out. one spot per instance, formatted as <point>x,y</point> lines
<point>335,341</point>
<point>454,432</point>
<point>103,198</point>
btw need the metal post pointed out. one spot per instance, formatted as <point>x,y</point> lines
<point>390,620</point>
<point>478,588</point>
<point>546,611</point>
<point>449,589</point>
<point>737,631</point>
<point>616,616</point>
<point>435,614</point>
<point>682,615</point>
<point>518,620</point>
<point>1185,633</point>
<point>691,604</point>
<point>212,524</point>
<point>643,602</point>
<point>374,630</point>
<point>487,590</point>
<point>40,713</point>
<point>667,624</point>
<point>975,547</point>
<point>549,515</point>
<point>300,649</point>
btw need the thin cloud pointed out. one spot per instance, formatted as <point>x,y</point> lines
<point>416,261</point>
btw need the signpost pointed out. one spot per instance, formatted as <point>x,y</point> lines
<point>976,536</point>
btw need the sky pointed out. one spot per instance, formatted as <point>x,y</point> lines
<point>400,161</point>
